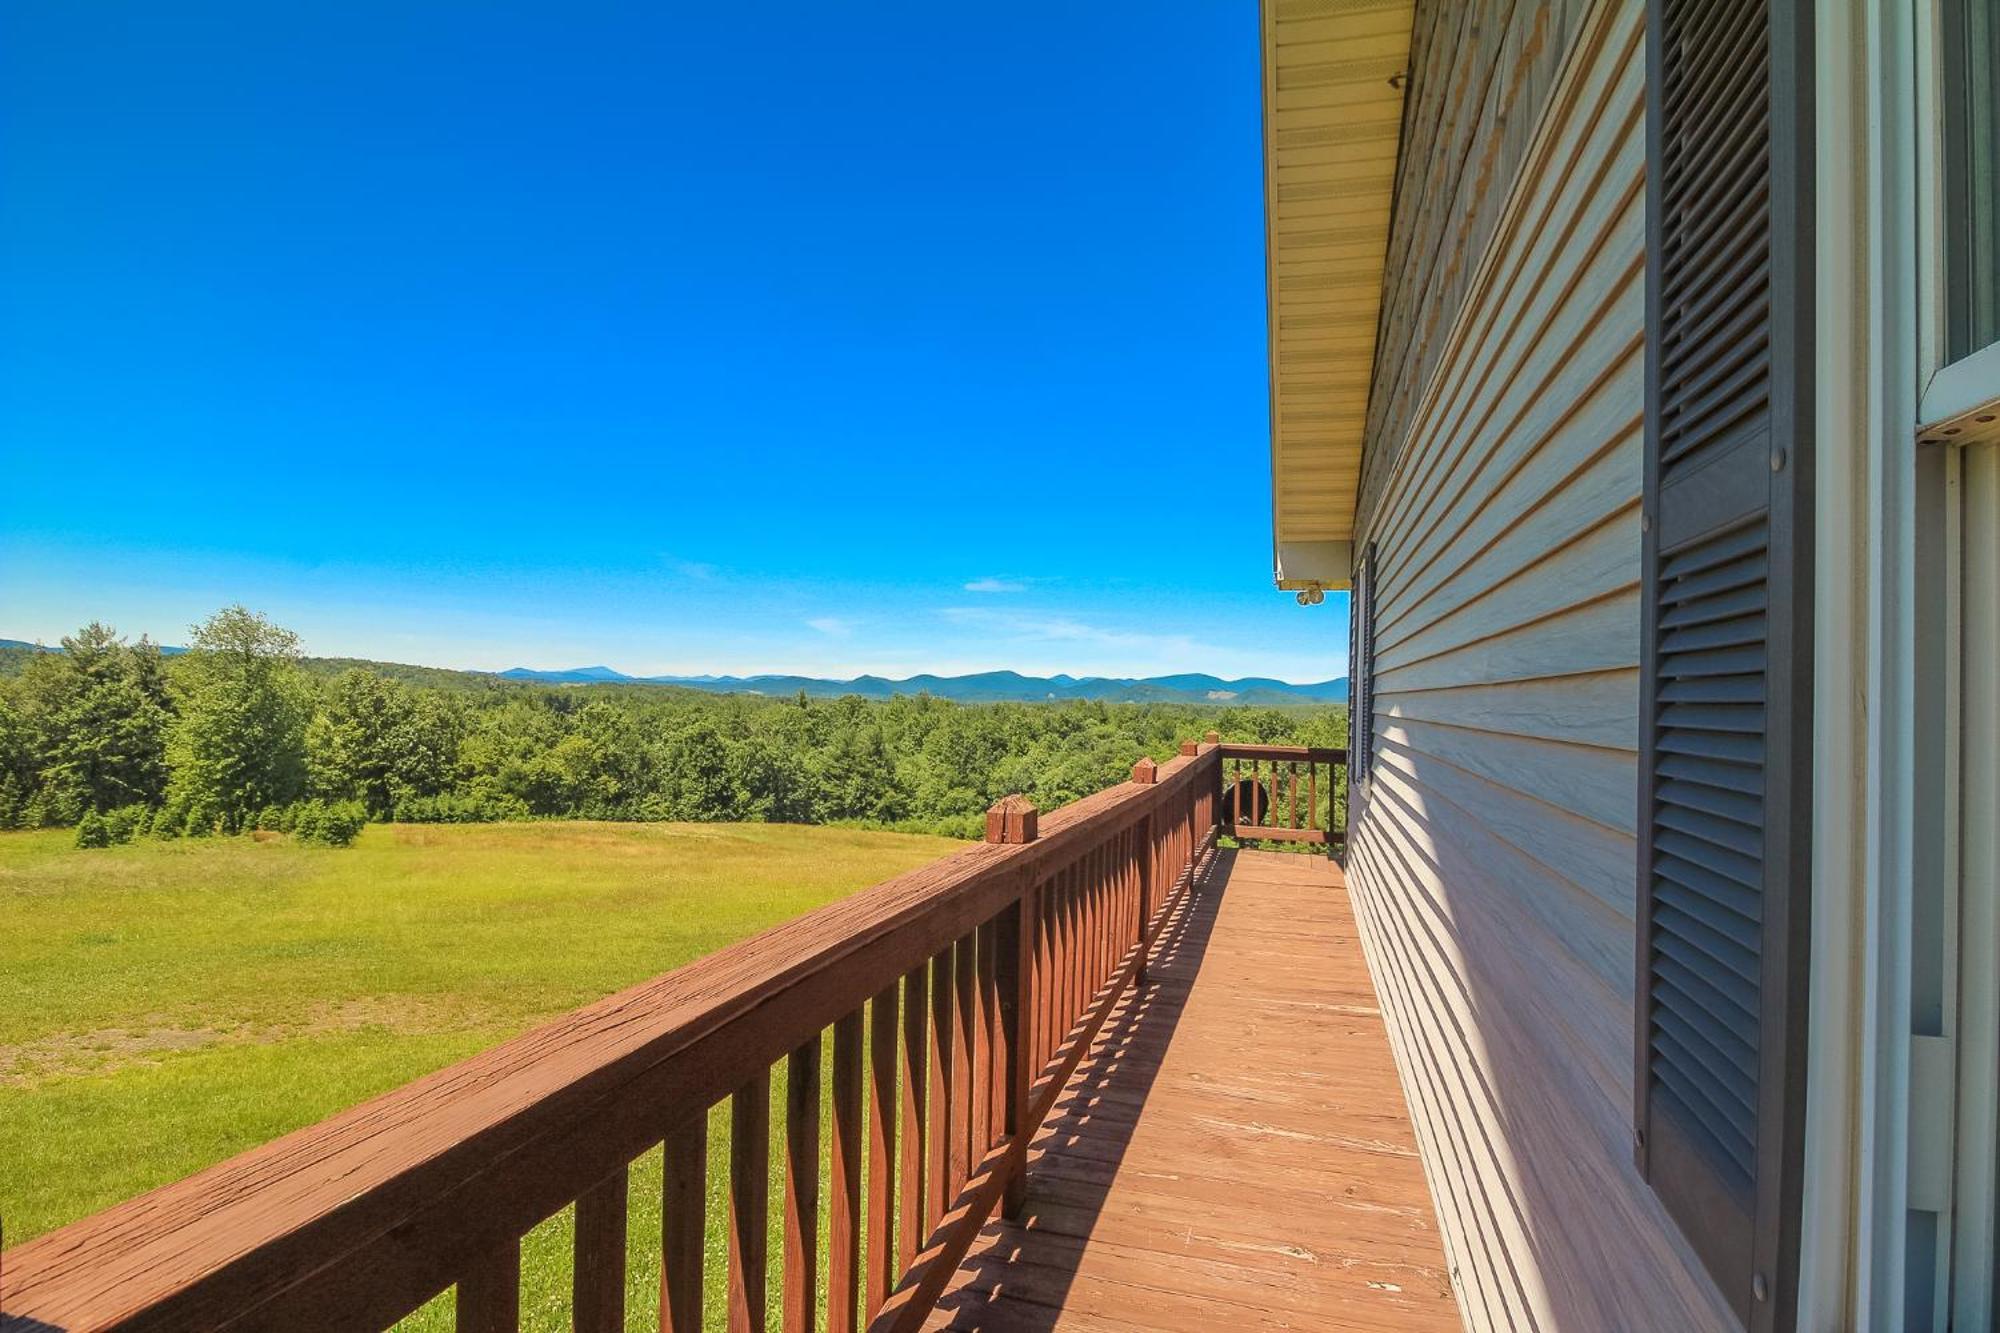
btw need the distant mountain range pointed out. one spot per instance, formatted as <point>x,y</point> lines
<point>45,648</point>
<point>983,687</point>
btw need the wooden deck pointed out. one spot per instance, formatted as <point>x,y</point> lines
<point>1235,1152</point>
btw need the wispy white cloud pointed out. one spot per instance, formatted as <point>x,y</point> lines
<point>834,626</point>
<point>996,585</point>
<point>1056,628</point>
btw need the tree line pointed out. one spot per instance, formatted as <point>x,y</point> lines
<point>239,732</point>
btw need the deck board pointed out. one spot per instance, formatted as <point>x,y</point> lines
<point>1235,1152</point>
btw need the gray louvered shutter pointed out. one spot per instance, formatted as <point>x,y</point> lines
<point>1361,670</point>
<point>1726,692</point>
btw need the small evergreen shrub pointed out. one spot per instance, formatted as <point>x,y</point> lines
<point>122,824</point>
<point>329,823</point>
<point>91,831</point>
<point>469,808</point>
<point>171,817</point>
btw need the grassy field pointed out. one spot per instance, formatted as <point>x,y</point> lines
<point>166,1005</point>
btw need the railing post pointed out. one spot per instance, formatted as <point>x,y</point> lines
<point>1146,773</point>
<point>1013,820</point>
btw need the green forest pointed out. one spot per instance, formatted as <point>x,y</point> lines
<point>242,732</point>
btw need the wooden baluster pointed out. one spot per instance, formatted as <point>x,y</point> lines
<point>963,1032</point>
<point>1135,875</point>
<point>937,1171</point>
<point>1017,981</point>
<point>489,1294</point>
<point>1058,987</point>
<point>749,1202</point>
<point>979,980</point>
<point>992,1110</point>
<point>1045,973</point>
<point>910,1229</point>
<point>801,1309</point>
<point>1107,892</point>
<point>1100,886</point>
<point>843,1265</point>
<point>1312,794</point>
<point>880,1249</point>
<point>1114,873</point>
<point>598,1280</point>
<point>1107,911</point>
<point>1086,880</point>
<point>1292,769</point>
<point>1072,951</point>
<point>1236,791</point>
<point>683,1219</point>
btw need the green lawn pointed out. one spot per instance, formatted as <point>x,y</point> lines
<point>165,1005</point>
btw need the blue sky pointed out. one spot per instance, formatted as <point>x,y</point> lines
<point>681,338</point>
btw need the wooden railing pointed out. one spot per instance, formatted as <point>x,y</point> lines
<point>960,997</point>
<point>1285,793</point>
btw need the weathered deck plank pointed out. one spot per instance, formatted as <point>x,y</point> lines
<point>1235,1152</point>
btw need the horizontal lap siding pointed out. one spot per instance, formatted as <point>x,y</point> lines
<point>1493,862</point>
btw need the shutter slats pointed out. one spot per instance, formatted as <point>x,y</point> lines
<point>1746,718</point>
<point>1730,633</point>
<point>1723,606</point>
<point>1716,800</point>
<point>1747,660</point>
<point>1726,409</point>
<point>1709,992</point>
<point>1711,745</point>
<point>1717,1048</point>
<point>1746,570</point>
<point>1724,907</point>
<point>1697,1027</point>
<point>1726,1151</point>
<point>1746,840</point>
<point>1731,688</point>
<point>1729,777</point>
<point>1731,952</point>
<point>1678,569</point>
<point>1717,860</point>
<point>1723,1085</point>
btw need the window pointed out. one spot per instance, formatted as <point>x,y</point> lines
<point>1970,52</point>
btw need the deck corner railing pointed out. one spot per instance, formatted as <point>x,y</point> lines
<point>953,1004</point>
<point>1262,790</point>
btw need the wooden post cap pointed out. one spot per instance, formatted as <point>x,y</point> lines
<point>1146,771</point>
<point>1213,738</point>
<point>1012,819</point>
<point>1189,747</point>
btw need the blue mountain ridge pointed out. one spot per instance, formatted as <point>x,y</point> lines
<point>980,687</point>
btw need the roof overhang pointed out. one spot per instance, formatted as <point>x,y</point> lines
<point>1333,112</point>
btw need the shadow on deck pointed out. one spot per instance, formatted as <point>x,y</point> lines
<point>1235,1152</point>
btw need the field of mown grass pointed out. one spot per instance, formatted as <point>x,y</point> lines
<point>166,1005</point>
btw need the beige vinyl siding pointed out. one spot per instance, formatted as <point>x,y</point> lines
<point>1480,76</point>
<point>1493,862</point>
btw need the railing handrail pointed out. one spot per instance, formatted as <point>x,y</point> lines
<point>1316,754</point>
<point>362,1217</point>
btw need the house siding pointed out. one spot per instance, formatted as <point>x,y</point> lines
<point>1493,861</point>
<point>1480,75</point>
